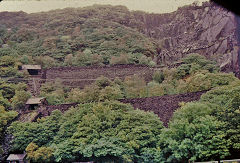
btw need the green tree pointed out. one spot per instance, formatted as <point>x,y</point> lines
<point>227,103</point>
<point>194,135</point>
<point>39,154</point>
<point>5,117</point>
<point>19,99</point>
<point>41,133</point>
<point>101,132</point>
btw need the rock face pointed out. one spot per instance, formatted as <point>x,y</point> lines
<point>208,29</point>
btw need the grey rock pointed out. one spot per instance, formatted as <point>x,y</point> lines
<point>208,30</point>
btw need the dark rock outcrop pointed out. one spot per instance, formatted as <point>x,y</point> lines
<point>208,29</point>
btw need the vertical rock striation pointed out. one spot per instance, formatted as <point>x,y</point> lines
<point>208,29</point>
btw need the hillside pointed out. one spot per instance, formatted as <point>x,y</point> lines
<point>106,84</point>
<point>101,32</point>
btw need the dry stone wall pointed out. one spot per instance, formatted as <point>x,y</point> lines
<point>81,76</point>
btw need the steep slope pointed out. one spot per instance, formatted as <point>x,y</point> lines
<point>106,30</point>
<point>209,30</point>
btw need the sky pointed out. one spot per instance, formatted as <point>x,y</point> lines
<point>155,6</point>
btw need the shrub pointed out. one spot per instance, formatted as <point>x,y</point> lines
<point>74,95</point>
<point>183,71</point>
<point>158,76</point>
<point>144,60</point>
<point>194,63</point>
<point>19,99</point>
<point>82,59</point>
<point>103,82</point>
<point>152,64</point>
<point>122,59</point>
<point>96,59</point>
<point>205,81</point>
<point>135,86</point>
<point>110,93</point>
<point>46,61</point>
<point>68,61</point>
<point>39,154</point>
<point>155,89</point>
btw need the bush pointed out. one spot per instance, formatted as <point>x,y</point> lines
<point>74,95</point>
<point>122,59</point>
<point>46,61</point>
<point>158,76</point>
<point>193,64</point>
<point>68,61</point>
<point>155,89</point>
<point>152,64</point>
<point>135,86</point>
<point>110,93</point>
<point>103,82</point>
<point>5,117</point>
<point>39,154</point>
<point>183,71</point>
<point>81,59</point>
<point>55,98</point>
<point>205,81</point>
<point>19,99</point>
<point>144,60</point>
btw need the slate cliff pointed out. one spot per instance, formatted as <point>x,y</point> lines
<point>208,29</point>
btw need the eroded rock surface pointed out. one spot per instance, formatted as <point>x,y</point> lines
<point>209,30</point>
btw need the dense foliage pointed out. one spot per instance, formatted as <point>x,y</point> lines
<point>102,129</point>
<point>205,130</point>
<point>5,117</point>
<point>77,37</point>
<point>11,96</point>
<point>111,131</point>
<point>99,131</point>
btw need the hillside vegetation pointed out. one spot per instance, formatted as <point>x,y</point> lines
<point>100,128</point>
<point>111,131</point>
<point>103,130</point>
<point>75,37</point>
